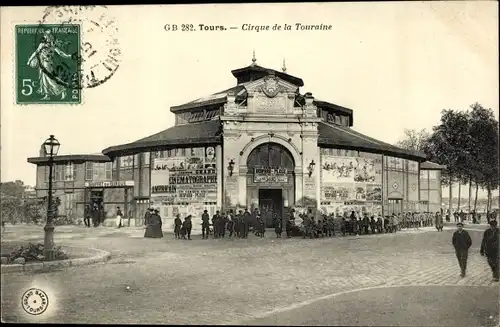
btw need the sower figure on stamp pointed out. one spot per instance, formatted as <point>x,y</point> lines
<point>205,225</point>
<point>461,242</point>
<point>177,226</point>
<point>489,247</point>
<point>43,59</point>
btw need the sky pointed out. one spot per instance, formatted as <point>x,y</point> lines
<point>396,65</point>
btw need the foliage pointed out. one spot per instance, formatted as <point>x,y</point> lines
<point>33,253</point>
<point>467,143</point>
<point>414,140</point>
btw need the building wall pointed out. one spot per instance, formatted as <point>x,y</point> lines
<point>270,119</point>
<point>430,190</point>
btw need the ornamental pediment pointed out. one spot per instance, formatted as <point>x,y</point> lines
<point>271,86</point>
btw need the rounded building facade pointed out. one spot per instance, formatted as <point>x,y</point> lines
<point>260,144</point>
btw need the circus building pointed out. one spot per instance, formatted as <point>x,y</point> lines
<point>259,144</point>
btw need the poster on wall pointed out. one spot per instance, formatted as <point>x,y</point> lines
<point>337,193</point>
<point>348,169</point>
<point>185,179</point>
<point>374,192</point>
<point>354,181</point>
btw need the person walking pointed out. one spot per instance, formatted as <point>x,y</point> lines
<point>230,224</point>
<point>177,227</point>
<point>461,242</point>
<point>489,247</point>
<point>188,225</point>
<point>86,216</point>
<point>119,216</point>
<point>205,225</point>
<point>439,222</point>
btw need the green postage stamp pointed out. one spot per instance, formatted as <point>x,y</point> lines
<point>48,64</point>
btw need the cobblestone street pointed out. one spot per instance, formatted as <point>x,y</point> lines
<point>231,281</point>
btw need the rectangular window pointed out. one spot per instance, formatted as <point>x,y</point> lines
<point>169,153</point>
<point>147,158</point>
<point>100,171</point>
<point>137,160</point>
<point>68,201</point>
<point>433,174</point>
<point>58,173</point>
<point>339,120</point>
<point>108,168</point>
<point>69,172</point>
<point>88,170</point>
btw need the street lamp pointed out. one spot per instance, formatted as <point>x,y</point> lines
<point>51,146</point>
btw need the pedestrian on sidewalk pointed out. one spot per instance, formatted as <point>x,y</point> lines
<point>177,227</point>
<point>489,247</point>
<point>87,215</point>
<point>461,242</point>
<point>119,216</point>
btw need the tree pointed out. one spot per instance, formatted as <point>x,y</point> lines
<point>414,140</point>
<point>446,146</point>
<point>483,165</point>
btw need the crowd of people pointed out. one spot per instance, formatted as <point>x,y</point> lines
<point>308,225</point>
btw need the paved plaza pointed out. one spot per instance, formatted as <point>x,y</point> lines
<point>333,281</point>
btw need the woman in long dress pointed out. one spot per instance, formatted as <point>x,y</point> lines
<point>153,229</point>
<point>43,59</point>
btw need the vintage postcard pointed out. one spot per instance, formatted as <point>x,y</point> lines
<point>251,164</point>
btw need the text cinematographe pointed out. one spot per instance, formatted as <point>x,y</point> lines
<point>246,27</point>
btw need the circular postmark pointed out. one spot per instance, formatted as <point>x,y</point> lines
<point>35,301</point>
<point>76,46</point>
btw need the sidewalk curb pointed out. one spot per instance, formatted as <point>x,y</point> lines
<point>101,256</point>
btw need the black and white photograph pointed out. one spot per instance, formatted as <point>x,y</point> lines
<point>307,164</point>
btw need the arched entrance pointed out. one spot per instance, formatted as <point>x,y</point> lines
<point>270,179</point>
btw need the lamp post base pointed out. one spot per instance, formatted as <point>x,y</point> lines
<point>48,243</point>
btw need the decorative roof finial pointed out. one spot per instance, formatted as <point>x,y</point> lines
<point>284,66</point>
<point>254,59</point>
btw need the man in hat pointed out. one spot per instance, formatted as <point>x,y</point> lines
<point>205,225</point>
<point>461,242</point>
<point>489,247</point>
<point>177,226</point>
<point>247,217</point>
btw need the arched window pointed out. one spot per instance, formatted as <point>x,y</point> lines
<point>270,155</point>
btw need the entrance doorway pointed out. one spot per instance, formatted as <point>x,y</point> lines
<point>395,206</point>
<point>270,202</point>
<point>97,197</point>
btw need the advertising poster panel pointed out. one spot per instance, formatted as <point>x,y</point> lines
<point>351,182</point>
<point>184,185</point>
